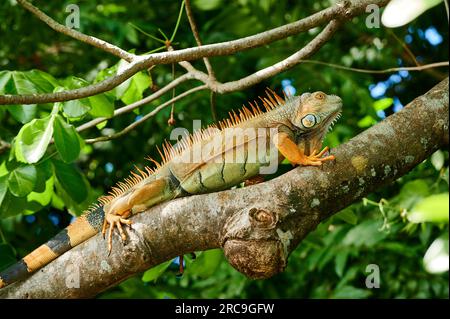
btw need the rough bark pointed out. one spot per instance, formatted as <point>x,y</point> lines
<point>257,226</point>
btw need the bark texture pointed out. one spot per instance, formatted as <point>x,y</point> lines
<point>257,226</point>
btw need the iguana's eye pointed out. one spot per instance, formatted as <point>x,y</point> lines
<point>309,120</point>
<point>319,95</point>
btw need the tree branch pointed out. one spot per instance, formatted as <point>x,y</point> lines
<point>194,29</point>
<point>98,43</point>
<point>128,108</point>
<point>270,71</point>
<point>341,10</point>
<point>257,226</point>
<point>145,117</point>
<point>388,70</point>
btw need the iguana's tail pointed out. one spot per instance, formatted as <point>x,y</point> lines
<point>81,229</point>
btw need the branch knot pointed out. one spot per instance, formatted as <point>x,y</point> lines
<point>260,218</point>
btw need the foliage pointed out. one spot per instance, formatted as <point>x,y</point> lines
<point>50,174</point>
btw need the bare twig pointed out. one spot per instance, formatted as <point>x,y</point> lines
<point>145,117</point>
<point>196,34</point>
<point>131,107</point>
<point>389,70</point>
<point>209,68</point>
<point>342,10</point>
<point>404,46</point>
<point>212,103</point>
<point>108,47</point>
<point>250,80</point>
<point>263,74</point>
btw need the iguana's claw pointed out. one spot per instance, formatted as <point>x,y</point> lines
<point>117,221</point>
<point>316,158</point>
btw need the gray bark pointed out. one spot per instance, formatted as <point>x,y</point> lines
<point>257,226</point>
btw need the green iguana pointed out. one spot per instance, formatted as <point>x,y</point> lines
<point>295,126</point>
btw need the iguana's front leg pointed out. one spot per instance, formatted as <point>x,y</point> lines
<point>289,149</point>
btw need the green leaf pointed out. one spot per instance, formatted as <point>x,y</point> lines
<point>365,234</point>
<point>350,292</point>
<point>22,113</point>
<point>42,82</point>
<point>383,104</point>
<point>131,90</point>
<point>101,106</point>
<point>13,206</point>
<point>75,109</point>
<point>412,192</point>
<point>340,261</point>
<point>22,180</point>
<point>44,172</point>
<point>366,121</point>
<point>21,84</point>
<point>205,5</point>
<point>33,138</point>
<point>43,198</point>
<point>154,273</point>
<point>206,264</point>
<point>131,35</point>
<point>71,180</point>
<point>18,83</point>
<point>5,76</point>
<point>66,140</point>
<point>437,159</point>
<point>348,216</point>
<point>433,208</point>
<point>3,187</point>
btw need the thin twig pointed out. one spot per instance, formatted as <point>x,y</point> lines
<point>389,70</point>
<point>405,46</point>
<point>209,68</point>
<point>146,117</point>
<point>131,107</point>
<point>108,47</point>
<point>272,70</point>
<point>338,11</point>
<point>196,34</point>
<point>212,103</point>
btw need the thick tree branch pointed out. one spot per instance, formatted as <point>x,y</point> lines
<point>341,10</point>
<point>257,226</point>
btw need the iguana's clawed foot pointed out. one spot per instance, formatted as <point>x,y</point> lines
<point>316,159</point>
<point>114,221</point>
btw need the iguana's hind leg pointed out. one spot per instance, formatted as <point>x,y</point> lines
<point>135,201</point>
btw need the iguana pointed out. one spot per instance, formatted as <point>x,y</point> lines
<point>299,124</point>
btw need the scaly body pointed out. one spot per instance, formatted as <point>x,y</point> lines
<point>234,153</point>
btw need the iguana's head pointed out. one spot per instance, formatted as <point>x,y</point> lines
<point>315,115</point>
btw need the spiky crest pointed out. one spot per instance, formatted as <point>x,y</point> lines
<point>168,151</point>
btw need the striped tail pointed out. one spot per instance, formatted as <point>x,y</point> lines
<point>81,229</point>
